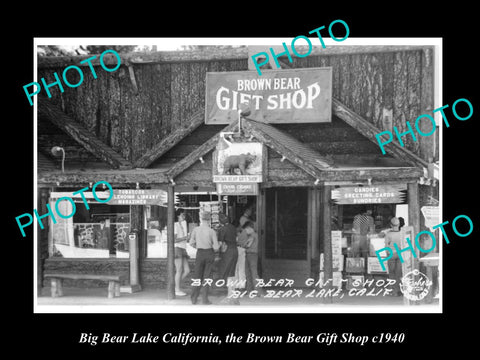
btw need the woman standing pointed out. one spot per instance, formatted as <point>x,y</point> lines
<point>182,269</point>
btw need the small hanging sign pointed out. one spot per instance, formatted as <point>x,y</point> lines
<point>378,194</point>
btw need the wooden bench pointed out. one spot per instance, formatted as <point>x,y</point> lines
<point>57,282</point>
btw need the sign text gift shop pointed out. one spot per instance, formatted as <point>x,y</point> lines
<point>286,96</point>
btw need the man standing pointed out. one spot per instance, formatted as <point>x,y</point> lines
<point>240,274</point>
<point>246,216</point>
<point>362,224</point>
<point>205,240</point>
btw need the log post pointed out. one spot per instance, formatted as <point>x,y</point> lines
<point>42,238</point>
<point>315,224</point>
<point>117,288</point>
<point>53,287</point>
<point>136,221</point>
<point>170,243</point>
<point>111,289</point>
<point>59,287</point>
<point>327,239</point>
<point>261,224</point>
<point>414,221</point>
<point>413,208</point>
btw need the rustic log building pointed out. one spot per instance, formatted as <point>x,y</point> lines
<point>143,127</point>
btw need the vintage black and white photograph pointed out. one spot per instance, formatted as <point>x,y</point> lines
<point>231,175</point>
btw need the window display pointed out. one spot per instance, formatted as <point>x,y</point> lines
<point>192,203</point>
<point>357,232</point>
<point>100,232</point>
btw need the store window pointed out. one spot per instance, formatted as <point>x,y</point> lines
<point>100,232</point>
<point>358,231</point>
<point>191,203</point>
<point>343,219</point>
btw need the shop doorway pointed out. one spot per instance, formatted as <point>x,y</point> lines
<point>237,206</point>
<point>285,247</point>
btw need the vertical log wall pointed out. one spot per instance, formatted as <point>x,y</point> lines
<point>386,88</point>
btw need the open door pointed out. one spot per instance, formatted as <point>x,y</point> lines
<point>285,242</point>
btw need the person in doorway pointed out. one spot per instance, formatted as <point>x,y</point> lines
<point>240,275</point>
<point>402,223</point>
<point>227,238</point>
<point>362,225</point>
<point>247,216</point>
<point>394,265</point>
<point>249,240</point>
<point>182,269</point>
<point>204,239</point>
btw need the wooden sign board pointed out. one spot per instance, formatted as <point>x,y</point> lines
<point>138,197</point>
<point>277,96</point>
<point>237,188</point>
<point>378,194</point>
<point>239,163</point>
<point>121,196</point>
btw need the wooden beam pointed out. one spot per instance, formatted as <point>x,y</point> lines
<point>369,131</point>
<point>261,224</point>
<point>191,158</point>
<point>376,174</point>
<point>120,177</point>
<point>413,208</point>
<point>414,221</point>
<point>171,140</point>
<point>316,213</point>
<point>146,57</point>
<point>357,49</point>
<point>81,135</point>
<point>131,72</point>
<point>285,65</point>
<point>215,54</point>
<point>327,238</point>
<point>42,239</point>
<point>137,226</point>
<point>283,149</point>
<point>329,50</point>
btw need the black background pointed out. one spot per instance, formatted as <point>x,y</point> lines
<point>52,335</point>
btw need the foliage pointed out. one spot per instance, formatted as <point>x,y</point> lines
<point>210,47</point>
<point>98,49</point>
<point>65,50</point>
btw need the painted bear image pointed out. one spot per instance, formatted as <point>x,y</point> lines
<point>241,162</point>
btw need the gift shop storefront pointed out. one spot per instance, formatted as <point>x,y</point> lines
<point>294,147</point>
